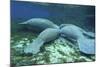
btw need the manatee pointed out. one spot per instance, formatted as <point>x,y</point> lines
<point>86,45</point>
<point>87,34</point>
<point>47,35</point>
<point>73,32</point>
<point>39,24</point>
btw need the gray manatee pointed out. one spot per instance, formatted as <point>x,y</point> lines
<point>47,35</point>
<point>73,32</point>
<point>87,45</point>
<point>39,24</point>
<point>88,34</point>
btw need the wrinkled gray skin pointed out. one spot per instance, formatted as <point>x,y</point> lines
<point>87,34</point>
<point>73,32</point>
<point>39,24</point>
<point>47,35</point>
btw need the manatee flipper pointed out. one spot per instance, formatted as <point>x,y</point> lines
<point>34,47</point>
<point>89,34</point>
<point>87,46</point>
<point>47,35</point>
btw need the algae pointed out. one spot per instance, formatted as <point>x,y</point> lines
<point>55,52</point>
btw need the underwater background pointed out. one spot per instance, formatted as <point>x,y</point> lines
<point>54,52</point>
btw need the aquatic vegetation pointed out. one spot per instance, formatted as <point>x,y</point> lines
<point>57,51</point>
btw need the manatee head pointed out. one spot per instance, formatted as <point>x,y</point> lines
<point>39,24</point>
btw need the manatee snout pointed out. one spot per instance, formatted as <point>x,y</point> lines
<point>39,24</point>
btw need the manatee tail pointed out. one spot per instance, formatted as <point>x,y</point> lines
<point>86,45</point>
<point>34,47</point>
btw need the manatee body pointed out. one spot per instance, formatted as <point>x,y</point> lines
<point>87,34</point>
<point>39,24</point>
<point>47,35</point>
<point>73,32</point>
